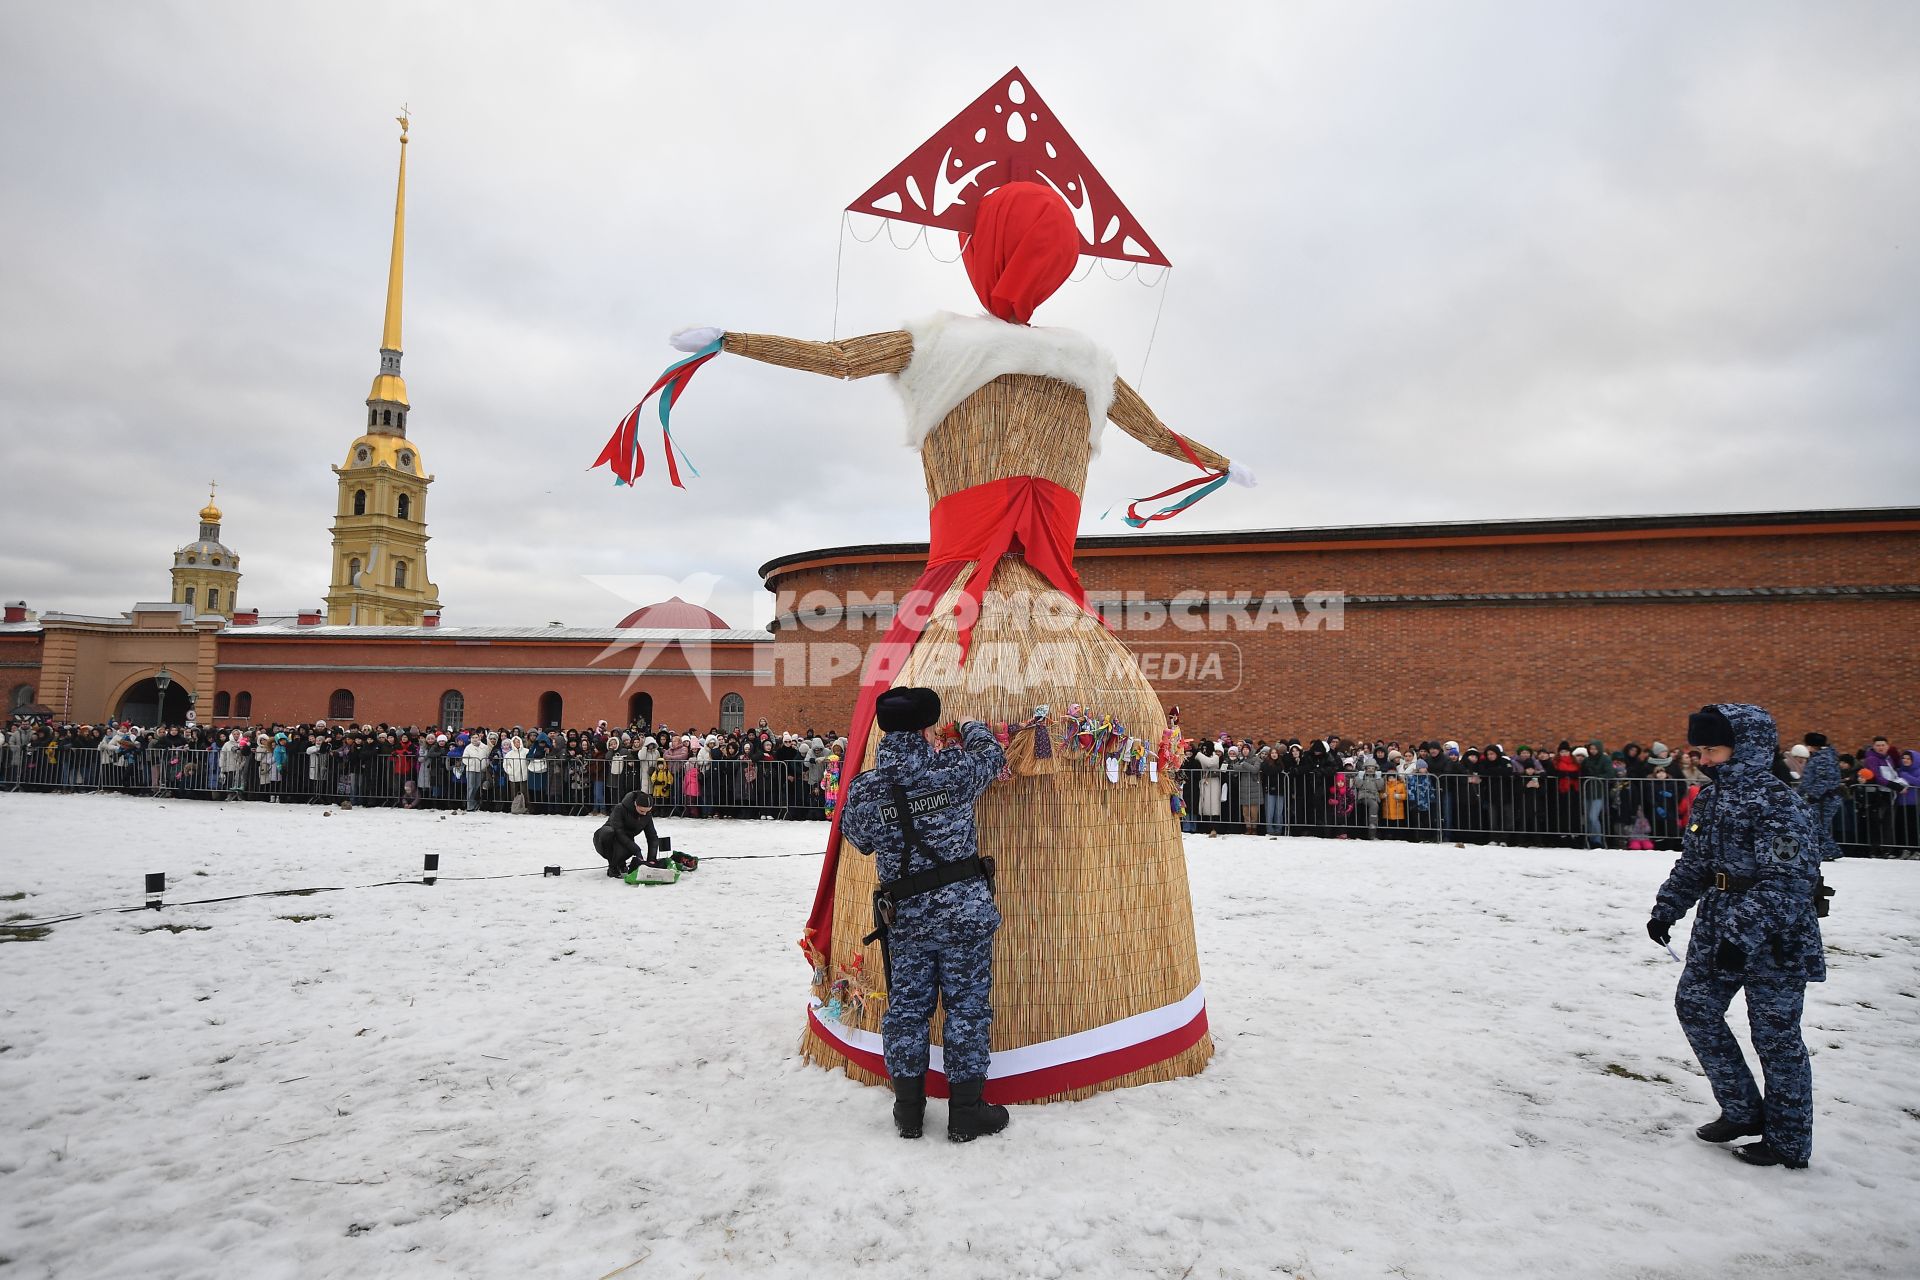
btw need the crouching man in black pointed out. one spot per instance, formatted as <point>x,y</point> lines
<point>614,840</point>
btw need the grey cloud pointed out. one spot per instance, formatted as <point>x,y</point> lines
<point>1463,261</point>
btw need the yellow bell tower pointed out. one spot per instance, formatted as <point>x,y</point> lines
<point>379,571</point>
<point>206,573</point>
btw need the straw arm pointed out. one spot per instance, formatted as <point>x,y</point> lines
<point>860,357</point>
<point>1131,414</point>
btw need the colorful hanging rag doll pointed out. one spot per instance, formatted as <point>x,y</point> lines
<point>1030,746</point>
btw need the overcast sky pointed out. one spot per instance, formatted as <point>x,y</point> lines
<point>1431,261</point>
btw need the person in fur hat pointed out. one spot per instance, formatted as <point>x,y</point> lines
<point>1820,787</point>
<point>913,812</point>
<point>1750,862</point>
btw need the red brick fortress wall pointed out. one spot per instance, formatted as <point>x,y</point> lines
<point>401,681</point>
<point>19,662</point>
<point>1518,632</point>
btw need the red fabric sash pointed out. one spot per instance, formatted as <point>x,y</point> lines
<point>884,661</point>
<point>981,524</point>
<point>1036,517</point>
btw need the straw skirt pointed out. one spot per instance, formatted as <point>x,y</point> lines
<point>1091,879</point>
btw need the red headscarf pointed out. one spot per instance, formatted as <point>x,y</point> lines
<point>1024,246</point>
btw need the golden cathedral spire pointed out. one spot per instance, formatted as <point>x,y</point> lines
<point>379,572</point>
<point>388,386</point>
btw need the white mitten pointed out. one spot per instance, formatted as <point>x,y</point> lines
<point>1239,473</point>
<point>696,338</point>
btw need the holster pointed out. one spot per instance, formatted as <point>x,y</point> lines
<point>882,924</point>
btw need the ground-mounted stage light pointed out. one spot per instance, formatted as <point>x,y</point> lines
<point>156,887</point>
<point>549,871</point>
<point>432,867</point>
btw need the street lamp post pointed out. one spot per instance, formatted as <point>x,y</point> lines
<point>161,681</point>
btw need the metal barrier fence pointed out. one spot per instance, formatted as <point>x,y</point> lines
<point>1535,810</point>
<point>1539,811</point>
<point>568,785</point>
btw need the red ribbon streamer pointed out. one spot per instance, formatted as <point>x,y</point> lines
<point>623,452</point>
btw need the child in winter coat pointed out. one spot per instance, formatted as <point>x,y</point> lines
<point>1420,795</point>
<point>690,786</point>
<point>1367,790</point>
<point>1339,805</point>
<point>1641,836</point>
<point>1393,801</point>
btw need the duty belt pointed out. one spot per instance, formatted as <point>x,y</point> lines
<point>1732,884</point>
<point>939,876</point>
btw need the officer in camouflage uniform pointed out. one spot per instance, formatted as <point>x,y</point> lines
<point>1751,859</point>
<point>1820,788</point>
<point>913,811</point>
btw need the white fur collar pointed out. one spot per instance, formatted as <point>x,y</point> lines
<point>954,356</point>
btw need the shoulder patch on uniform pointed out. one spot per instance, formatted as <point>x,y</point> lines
<point>1786,847</point>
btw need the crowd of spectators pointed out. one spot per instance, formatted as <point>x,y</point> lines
<point>1572,795</point>
<point>1566,794</point>
<point>752,772</point>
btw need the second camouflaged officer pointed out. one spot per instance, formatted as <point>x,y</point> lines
<point>1751,860</point>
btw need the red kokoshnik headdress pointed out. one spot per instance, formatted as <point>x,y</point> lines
<point>1006,135</point>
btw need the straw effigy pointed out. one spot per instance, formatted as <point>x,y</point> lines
<point>1092,885</point>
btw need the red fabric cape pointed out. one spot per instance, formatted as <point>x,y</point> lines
<point>981,524</point>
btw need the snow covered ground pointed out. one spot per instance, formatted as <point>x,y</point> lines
<point>1432,1063</point>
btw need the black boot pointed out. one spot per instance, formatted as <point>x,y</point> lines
<point>613,869</point>
<point>1760,1153</point>
<point>909,1104</point>
<point>967,1116</point>
<point>1725,1130</point>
